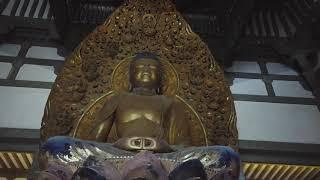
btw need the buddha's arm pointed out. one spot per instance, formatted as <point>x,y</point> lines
<point>179,126</point>
<point>104,120</point>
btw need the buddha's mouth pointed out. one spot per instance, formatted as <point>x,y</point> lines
<point>146,76</point>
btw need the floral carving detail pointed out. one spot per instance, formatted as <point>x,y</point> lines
<point>90,70</point>
<point>149,23</point>
<point>75,89</point>
<point>196,75</point>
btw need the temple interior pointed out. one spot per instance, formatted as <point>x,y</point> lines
<point>269,52</point>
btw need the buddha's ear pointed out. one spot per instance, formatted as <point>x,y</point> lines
<point>158,91</point>
<point>192,169</point>
<point>130,86</point>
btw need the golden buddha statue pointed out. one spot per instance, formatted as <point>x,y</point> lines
<point>142,82</point>
<point>97,85</point>
<point>142,116</point>
<point>97,75</point>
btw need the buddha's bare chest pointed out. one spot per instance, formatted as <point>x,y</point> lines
<point>140,109</point>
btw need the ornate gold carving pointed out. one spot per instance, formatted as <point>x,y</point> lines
<point>136,26</point>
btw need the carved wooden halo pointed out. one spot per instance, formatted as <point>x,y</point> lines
<point>170,79</point>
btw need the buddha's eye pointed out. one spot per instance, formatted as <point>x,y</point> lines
<point>153,67</point>
<point>140,66</point>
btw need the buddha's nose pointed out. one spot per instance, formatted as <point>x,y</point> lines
<point>146,70</point>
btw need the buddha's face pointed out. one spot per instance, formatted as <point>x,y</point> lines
<point>145,73</point>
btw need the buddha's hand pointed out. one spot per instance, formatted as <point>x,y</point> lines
<point>143,143</point>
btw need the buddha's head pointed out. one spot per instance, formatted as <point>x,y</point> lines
<point>145,71</point>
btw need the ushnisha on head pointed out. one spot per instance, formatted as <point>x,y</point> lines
<point>145,72</point>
